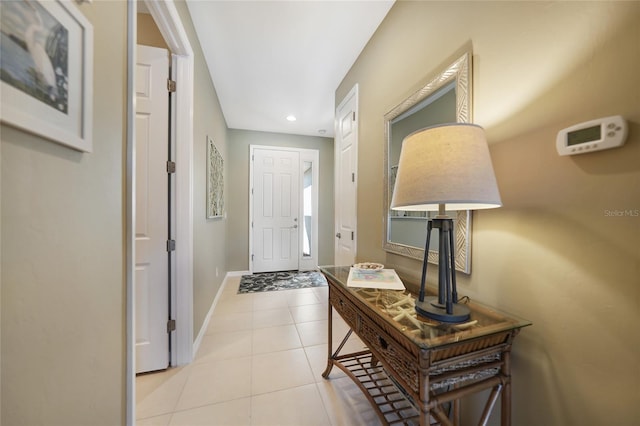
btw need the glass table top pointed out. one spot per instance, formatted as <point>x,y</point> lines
<point>398,309</point>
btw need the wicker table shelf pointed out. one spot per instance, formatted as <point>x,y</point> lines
<point>415,372</point>
<point>390,402</point>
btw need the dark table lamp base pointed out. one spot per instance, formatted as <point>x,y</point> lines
<point>431,309</point>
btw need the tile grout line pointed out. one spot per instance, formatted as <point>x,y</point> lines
<point>225,300</point>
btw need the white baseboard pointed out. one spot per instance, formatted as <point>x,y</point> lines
<point>205,324</point>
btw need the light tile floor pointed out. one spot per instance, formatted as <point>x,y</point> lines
<point>260,363</point>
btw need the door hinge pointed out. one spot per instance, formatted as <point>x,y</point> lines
<point>252,258</point>
<point>171,85</point>
<point>338,235</point>
<point>352,236</point>
<point>354,116</point>
<point>171,325</point>
<point>171,166</point>
<point>171,245</point>
<point>353,177</point>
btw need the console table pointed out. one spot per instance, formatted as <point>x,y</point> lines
<point>414,370</point>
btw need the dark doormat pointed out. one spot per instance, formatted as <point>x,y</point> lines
<point>275,281</point>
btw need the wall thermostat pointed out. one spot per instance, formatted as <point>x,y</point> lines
<point>594,135</point>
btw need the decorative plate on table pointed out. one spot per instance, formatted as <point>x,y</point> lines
<point>369,266</point>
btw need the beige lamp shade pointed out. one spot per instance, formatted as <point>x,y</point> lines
<point>449,165</point>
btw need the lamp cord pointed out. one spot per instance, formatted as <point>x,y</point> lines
<point>464,299</point>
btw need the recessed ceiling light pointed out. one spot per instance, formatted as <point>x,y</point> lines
<point>291,118</point>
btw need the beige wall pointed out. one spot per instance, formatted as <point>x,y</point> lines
<point>63,289</point>
<point>553,253</point>
<point>148,32</point>
<point>239,142</point>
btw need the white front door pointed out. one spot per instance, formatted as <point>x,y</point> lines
<point>346,158</point>
<point>276,207</point>
<point>151,211</point>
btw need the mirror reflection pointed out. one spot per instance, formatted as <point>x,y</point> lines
<point>444,99</point>
<point>436,109</point>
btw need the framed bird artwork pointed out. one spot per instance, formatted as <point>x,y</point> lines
<point>46,70</point>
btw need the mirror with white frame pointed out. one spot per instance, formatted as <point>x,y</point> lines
<point>445,98</point>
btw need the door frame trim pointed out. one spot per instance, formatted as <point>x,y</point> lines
<point>170,25</point>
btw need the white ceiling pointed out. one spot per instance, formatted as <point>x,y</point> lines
<point>271,59</point>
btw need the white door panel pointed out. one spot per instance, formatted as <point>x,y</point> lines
<point>346,153</point>
<point>151,212</point>
<point>276,206</point>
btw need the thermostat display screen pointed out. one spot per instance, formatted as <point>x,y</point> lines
<point>584,135</point>
<point>593,135</point>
